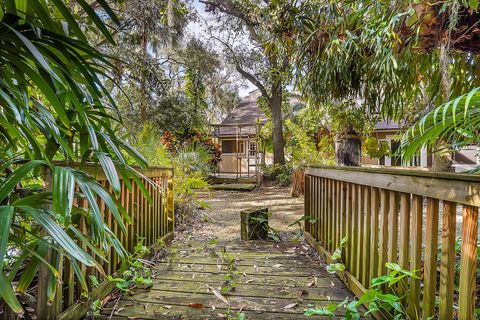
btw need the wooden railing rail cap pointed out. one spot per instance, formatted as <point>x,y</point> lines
<point>400,171</point>
<point>95,169</point>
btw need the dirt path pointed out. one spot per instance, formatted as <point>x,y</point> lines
<point>221,220</point>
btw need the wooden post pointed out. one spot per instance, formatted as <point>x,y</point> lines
<point>404,238</point>
<point>416,256</point>
<point>254,224</point>
<point>468,262</point>
<point>447,266</point>
<point>374,233</point>
<point>430,264</point>
<point>170,205</point>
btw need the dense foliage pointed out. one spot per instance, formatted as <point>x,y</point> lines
<point>55,107</point>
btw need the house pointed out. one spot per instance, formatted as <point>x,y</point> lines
<point>463,159</point>
<point>242,151</point>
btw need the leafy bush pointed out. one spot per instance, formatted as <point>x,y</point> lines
<point>375,148</point>
<point>192,137</point>
<point>303,149</point>
<point>278,173</point>
<point>147,143</point>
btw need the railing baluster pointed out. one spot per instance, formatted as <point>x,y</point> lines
<point>403,259</point>
<point>331,216</point>
<point>343,218</point>
<point>430,264</point>
<point>349,225</point>
<point>317,197</point>
<point>327,214</point>
<point>338,213</point>
<point>416,256</point>
<point>306,207</point>
<point>360,233</point>
<point>374,253</point>
<point>468,262</point>
<point>323,213</point>
<point>392,227</point>
<point>367,250</point>
<point>447,266</point>
<point>383,236</point>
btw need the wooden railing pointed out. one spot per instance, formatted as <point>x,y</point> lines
<point>400,216</point>
<point>150,221</point>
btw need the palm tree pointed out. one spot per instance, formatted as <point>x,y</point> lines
<point>53,106</point>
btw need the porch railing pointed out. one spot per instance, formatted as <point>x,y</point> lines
<point>401,216</point>
<point>150,221</point>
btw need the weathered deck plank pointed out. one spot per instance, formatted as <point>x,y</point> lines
<point>270,281</point>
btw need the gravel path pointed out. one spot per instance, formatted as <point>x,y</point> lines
<point>221,220</point>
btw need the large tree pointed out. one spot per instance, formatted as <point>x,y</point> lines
<point>398,59</point>
<point>265,60</point>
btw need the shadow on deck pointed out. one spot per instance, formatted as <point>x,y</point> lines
<point>263,280</point>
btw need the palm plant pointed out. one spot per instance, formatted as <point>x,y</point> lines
<point>456,122</point>
<point>54,106</point>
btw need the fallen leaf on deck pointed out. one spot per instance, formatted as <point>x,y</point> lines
<point>250,280</point>
<point>218,294</point>
<point>290,306</point>
<point>196,305</point>
<point>219,266</point>
<point>168,307</point>
<point>213,307</point>
<point>255,267</point>
<point>277,265</point>
<point>221,315</point>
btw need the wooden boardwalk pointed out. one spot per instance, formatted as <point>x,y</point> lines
<point>263,280</point>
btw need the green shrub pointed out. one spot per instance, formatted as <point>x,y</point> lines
<point>282,175</point>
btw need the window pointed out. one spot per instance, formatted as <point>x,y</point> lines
<point>230,146</point>
<point>252,149</point>
<point>396,157</point>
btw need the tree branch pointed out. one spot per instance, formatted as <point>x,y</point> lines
<point>227,7</point>
<point>247,75</point>
<point>250,77</point>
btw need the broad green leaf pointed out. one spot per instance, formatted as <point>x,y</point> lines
<point>59,235</point>
<point>6,215</point>
<point>18,175</point>
<point>8,295</point>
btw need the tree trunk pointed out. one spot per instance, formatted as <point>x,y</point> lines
<point>348,150</point>
<point>442,158</point>
<point>298,183</point>
<point>143,108</point>
<point>275,104</point>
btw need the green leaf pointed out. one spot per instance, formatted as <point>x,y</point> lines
<point>473,4</point>
<point>6,215</point>
<point>63,191</point>
<point>8,295</point>
<point>335,267</point>
<point>18,175</point>
<point>59,235</point>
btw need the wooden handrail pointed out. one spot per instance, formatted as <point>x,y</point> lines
<point>381,212</point>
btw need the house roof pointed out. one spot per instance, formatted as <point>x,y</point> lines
<point>387,125</point>
<point>247,112</point>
